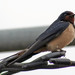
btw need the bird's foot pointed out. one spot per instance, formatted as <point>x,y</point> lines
<point>59,51</point>
<point>62,50</point>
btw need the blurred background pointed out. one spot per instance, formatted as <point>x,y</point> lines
<point>22,21</point>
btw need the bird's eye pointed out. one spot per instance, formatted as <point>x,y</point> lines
<point>65,14</point>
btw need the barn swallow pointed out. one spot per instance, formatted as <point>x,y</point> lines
<point>59,34</point>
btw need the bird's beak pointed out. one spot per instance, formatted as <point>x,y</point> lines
<point>72,15</point>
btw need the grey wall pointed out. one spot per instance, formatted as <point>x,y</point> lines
<point>18,38</point>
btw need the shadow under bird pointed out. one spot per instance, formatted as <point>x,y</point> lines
<point>59,34</point>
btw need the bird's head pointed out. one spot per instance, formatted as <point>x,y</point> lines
<point>67,16</point>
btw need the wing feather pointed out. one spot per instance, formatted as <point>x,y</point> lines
<point>54,30</point>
